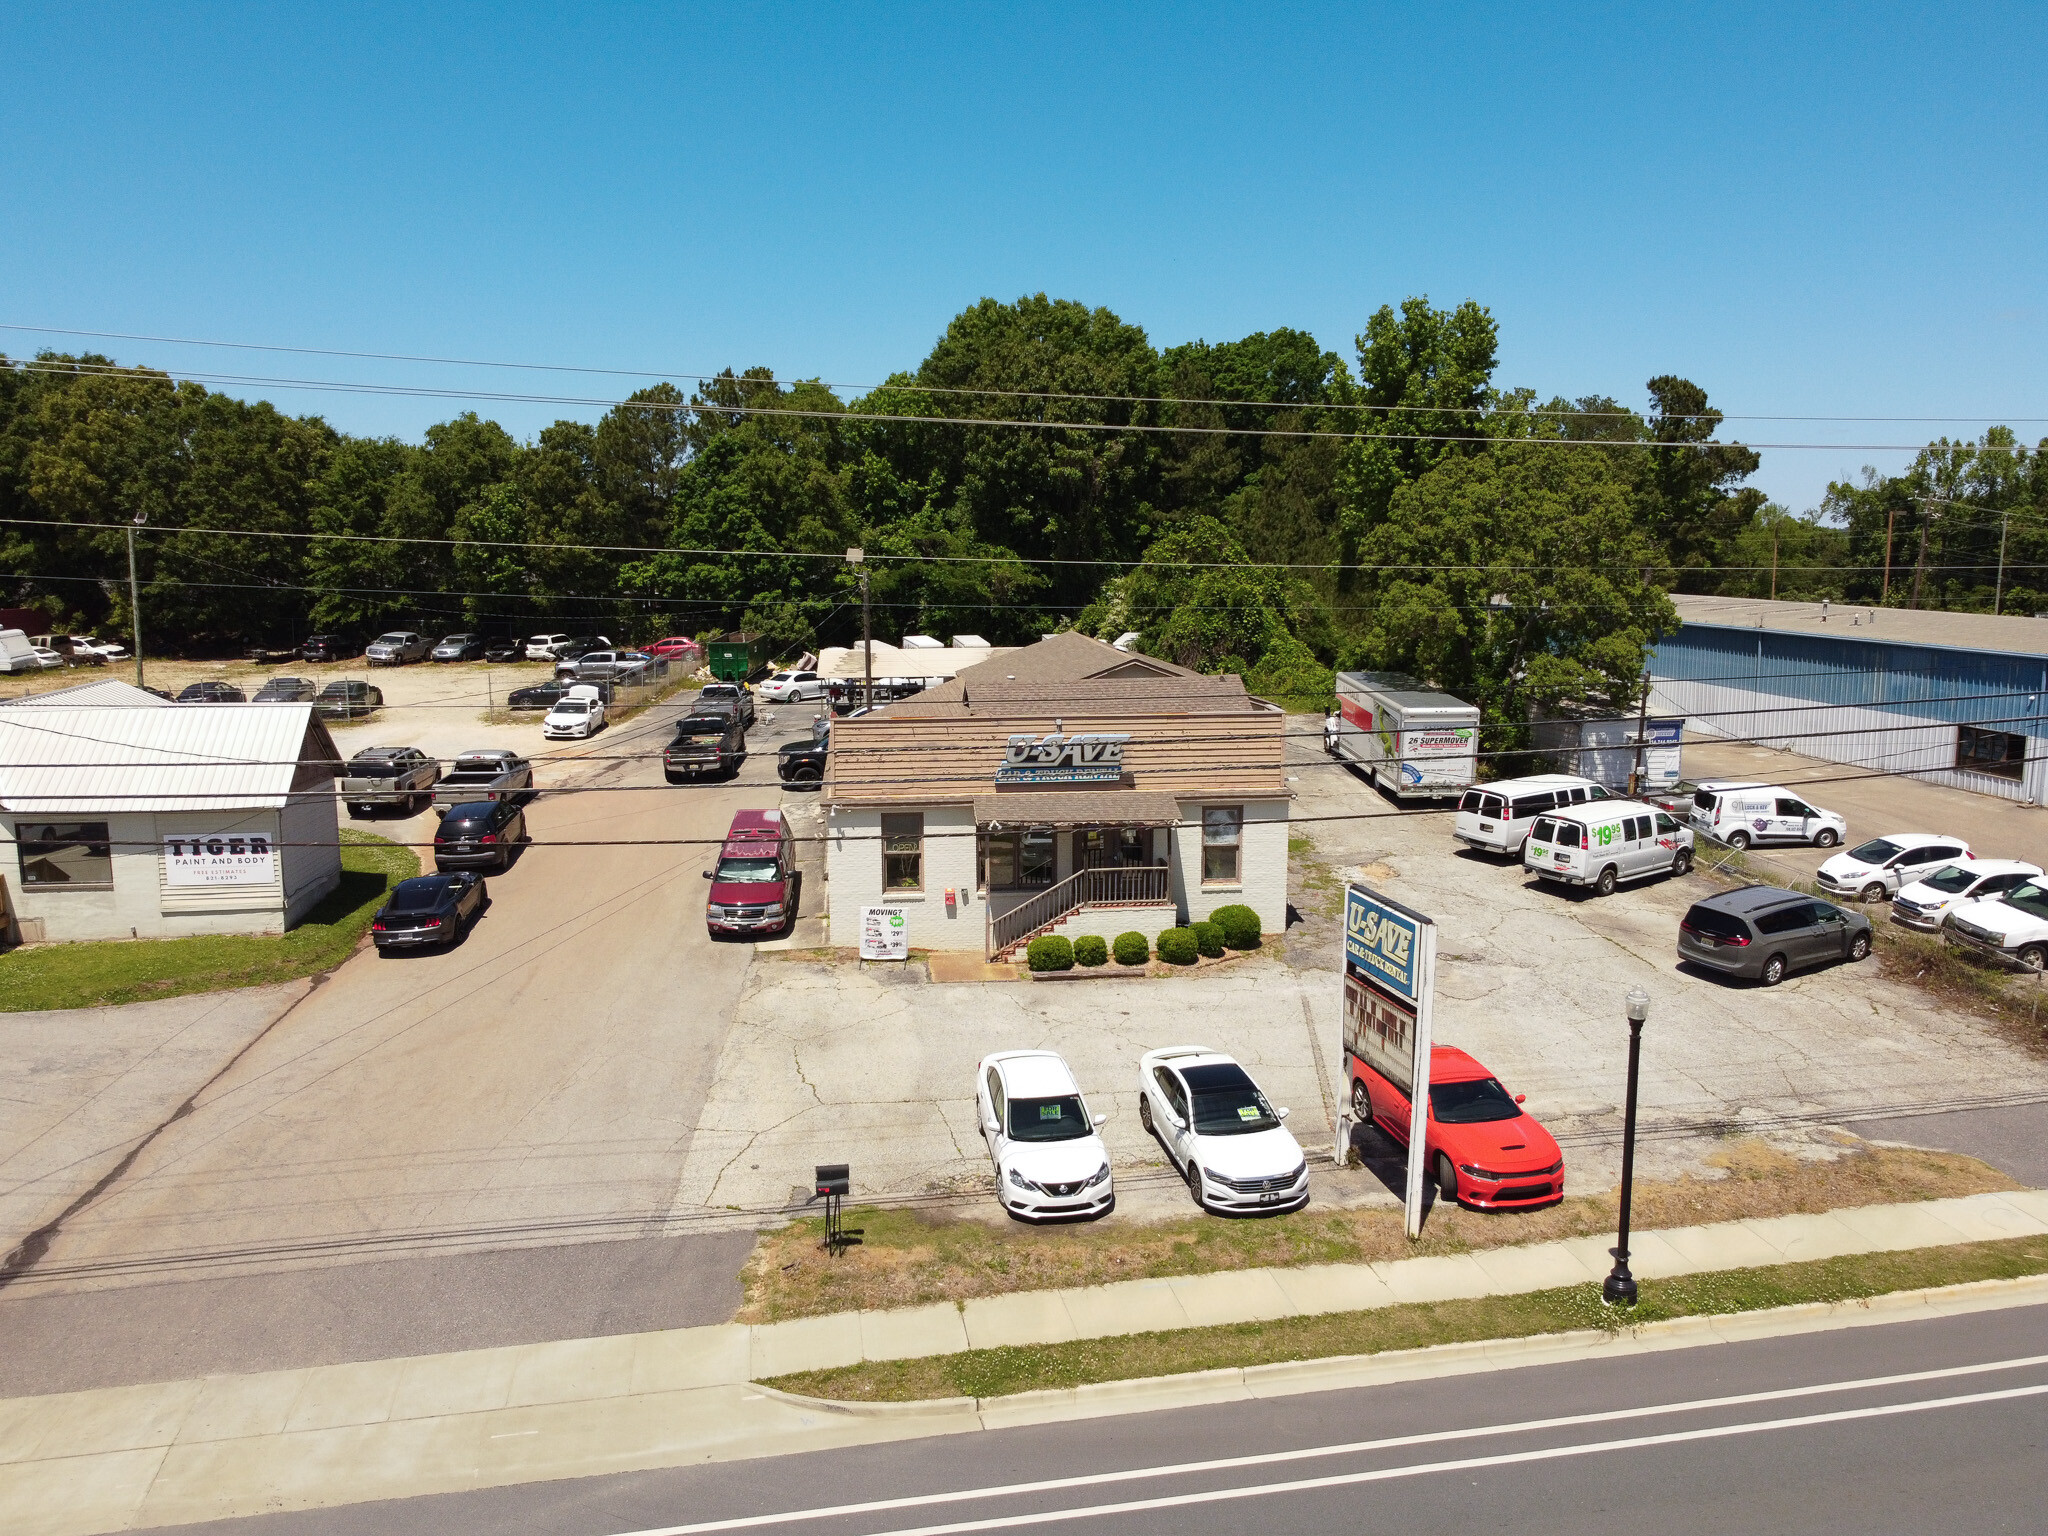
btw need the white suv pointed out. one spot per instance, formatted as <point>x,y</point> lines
<point>1927,901</point>
<point>1879,868</point>
<point>1222,1134</point>
<point>2011,927</point>
<point>1041,1137</point>
<point>1740,814</point>
<point>543,647</point>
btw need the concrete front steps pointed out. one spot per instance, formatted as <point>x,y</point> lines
<point>1105,920</point>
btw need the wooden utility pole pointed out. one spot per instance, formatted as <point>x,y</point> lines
<point>857,558</point>
<point>1890,517</point>
<point>1774,565</point>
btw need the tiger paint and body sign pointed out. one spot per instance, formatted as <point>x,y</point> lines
<point>1389,982</point>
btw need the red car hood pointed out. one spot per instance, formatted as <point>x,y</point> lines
<point>1503,1146</point>
<point>751,893</point>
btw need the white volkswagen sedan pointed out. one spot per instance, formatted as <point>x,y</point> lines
<point>1222,1134</point>
<point>1049,1160</point>
<point>573,717</point>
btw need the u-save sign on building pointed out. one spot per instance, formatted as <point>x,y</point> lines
<point>1067,787</point>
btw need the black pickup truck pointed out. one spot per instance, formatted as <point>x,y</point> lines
<point>803,762</point>
<point>706,741</point>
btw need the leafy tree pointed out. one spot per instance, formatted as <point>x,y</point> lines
<point>1688,492</point>
<point>1197,602</point>
<point>1514,577</point>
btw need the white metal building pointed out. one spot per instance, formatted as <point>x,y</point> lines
<point>122,821</point>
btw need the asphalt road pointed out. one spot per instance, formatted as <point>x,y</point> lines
<point>1900,1427</point>
<point>438,1150</point>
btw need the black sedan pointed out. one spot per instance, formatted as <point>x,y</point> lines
<point>542,696</point>
<point>212,693</point>
<point>347,700</point>
<point>505,650</point>
<point>429,910</point>
<point>286,690</point>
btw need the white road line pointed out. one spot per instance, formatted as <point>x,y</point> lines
<point>1436,1437</point>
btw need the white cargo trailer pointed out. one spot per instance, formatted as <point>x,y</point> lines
<point>1416,743</point>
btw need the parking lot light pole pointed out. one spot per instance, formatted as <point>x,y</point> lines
<point>1620,1287</point>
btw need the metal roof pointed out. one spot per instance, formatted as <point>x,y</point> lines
<point>194,757</point>
<point>101,693</point>
<point>2007,633</point>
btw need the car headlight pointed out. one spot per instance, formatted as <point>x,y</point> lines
<point>772,911</point>
<point>1023,1183</point>
<point>1100,1175</point>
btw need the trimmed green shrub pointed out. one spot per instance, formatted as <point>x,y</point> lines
<point>1177,946</point>
<point>1240,925</point>
<point>1131,949</point>
<point>1049,952</point>
<point>1208,938</point>
<point>1091,949</point>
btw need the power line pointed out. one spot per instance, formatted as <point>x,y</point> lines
<point>799,413</point>
<point>665,374</point>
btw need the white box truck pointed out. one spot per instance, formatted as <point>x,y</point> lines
<point>1415,743</point>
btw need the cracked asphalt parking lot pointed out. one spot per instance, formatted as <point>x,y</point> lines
<point>830,1064</point>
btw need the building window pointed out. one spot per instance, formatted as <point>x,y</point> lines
<point>903,852</point>
<point>1998,752</point>
<point>1012,861</point>
<point>1222,836</point>
<point>68,853</point>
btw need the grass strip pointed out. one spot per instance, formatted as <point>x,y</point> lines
<point>1001,1372</point>
<point>99,973</point>
<point>911,1257</point>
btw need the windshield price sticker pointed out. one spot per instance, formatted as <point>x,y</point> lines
<point>1247,1111</point>
<point>1048,1111</point>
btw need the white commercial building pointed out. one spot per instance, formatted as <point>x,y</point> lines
<point>1065,787</point>
<point>128,818</point>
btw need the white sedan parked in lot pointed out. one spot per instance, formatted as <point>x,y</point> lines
<point>1926,903</point>
<point>1049,1160</point>
<point>1222,1134</point>
<point>1874,870</point>
<point>792,687</point>
<point>572,717</point>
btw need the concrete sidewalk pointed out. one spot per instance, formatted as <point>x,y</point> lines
<point>226,1446</point>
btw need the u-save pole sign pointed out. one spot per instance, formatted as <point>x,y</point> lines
<point>1389,982</point>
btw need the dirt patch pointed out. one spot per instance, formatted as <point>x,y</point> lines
<point>908,1258</point>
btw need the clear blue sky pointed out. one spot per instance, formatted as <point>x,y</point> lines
<point>1808,211</point>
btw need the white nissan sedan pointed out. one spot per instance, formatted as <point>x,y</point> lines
<point>1049,1161</point>
<point>573,717</point>
<point>1222,1134</point>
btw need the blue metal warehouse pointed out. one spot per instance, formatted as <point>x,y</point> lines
<point>1951,698</point>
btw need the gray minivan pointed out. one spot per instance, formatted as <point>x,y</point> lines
<point>1762,932</point>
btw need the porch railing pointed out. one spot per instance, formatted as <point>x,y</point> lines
<point>1127,885</point>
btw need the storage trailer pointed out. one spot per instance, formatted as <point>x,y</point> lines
<point>1415,743</point>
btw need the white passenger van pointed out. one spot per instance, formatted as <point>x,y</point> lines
<point>1498,816</point>
<point>1605,844</point>
<point>1740,814</point>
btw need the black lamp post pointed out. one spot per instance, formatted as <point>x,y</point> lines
<point>1620,1288</point>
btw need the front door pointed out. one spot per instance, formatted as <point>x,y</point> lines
<point>992,1113</point>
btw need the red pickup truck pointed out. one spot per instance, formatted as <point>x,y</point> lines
<point>754,885</point>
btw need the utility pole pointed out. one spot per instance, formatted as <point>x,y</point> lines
<point>856,557</point>
<point>1890,516</point>
<point>1774,565</point>
<point>1998,592</point>
<point>1635,779</point>
<point>135,597</point>
<point>1920,562</point>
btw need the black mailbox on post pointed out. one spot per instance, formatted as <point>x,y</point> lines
<point>833,1179</point>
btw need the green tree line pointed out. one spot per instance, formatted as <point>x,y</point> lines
<point>1404,511</point>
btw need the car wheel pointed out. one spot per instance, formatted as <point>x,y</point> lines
<point>1361,1102</point>
<point>1145,1112</point>
<point>1739,841</point>
<point>1773,971</point>
<point>673,778</point>
<point>1195,1184</point>
<point>1606,883</point>
<point>1825,838</point>
<point>2033,957</point>
<point>1446,1179</point>
<point>806,776</point>
<point>1859,947</point>
<point>1682,864</point>
<point>1872,892</point>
